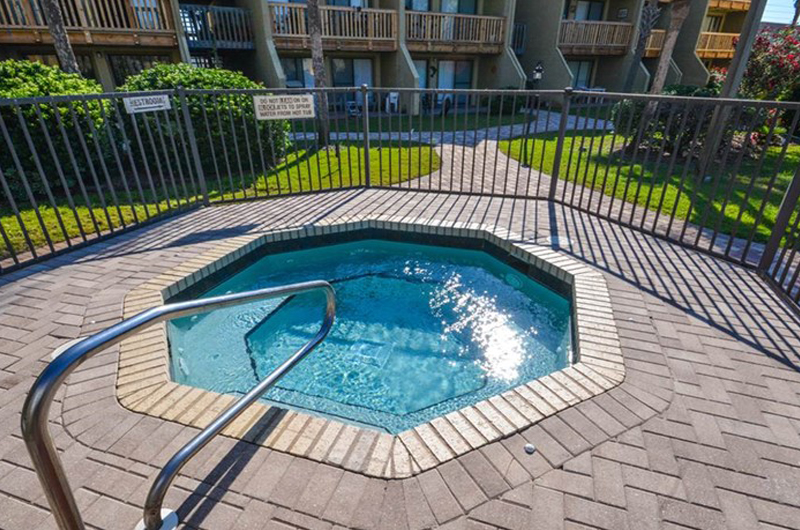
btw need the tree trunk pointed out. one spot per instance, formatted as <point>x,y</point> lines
<point>55,22</point>
<point>796,13</point>
<point>650,13</point>
<point>318,65</point>
<point>679,11</point>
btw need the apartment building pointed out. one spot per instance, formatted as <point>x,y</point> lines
<point>383,43</point>
<point>111,38</point>
<point>590,43</point>
<point>407,43</point>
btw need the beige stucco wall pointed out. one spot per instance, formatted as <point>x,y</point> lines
<point>685,56</point>
<point>543,18</point>
<point>503,70</point>
<point>268,66</point>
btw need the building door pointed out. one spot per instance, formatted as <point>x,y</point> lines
<point>362,75</point>
<point>581,73</point>
<point>589,10</point>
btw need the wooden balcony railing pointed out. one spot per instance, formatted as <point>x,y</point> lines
<point>717,45</point>
<point>217,27</point>
<point>730,5</point>
<point>449,27</point>
<point>655,43</point>
<point>584,37</point>
<point>104,22</point>
<point>344,28</point>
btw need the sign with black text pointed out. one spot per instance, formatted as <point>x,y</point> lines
<point>139,104</point>
<point>290,107</point>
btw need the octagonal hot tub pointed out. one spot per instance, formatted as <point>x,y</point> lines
<point>448,337</point>
<point>421,331</point>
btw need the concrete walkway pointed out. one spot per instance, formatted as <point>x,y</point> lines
<point>703,433</point>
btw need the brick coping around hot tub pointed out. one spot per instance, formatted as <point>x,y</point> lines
<point>144,384</point>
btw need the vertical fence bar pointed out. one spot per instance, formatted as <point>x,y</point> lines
<point>785,212</point>
<point>562,132</point>
<point>365,132</point>
<point>198,166</point>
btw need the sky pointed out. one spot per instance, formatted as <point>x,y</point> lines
<point>780,11</point>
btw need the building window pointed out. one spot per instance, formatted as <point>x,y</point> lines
<point>466,7</point>
<point>418,5</point>
<point>713,23</point>
<point>586,10</point>
<point>148,14</point>
<point>581,73</point>
<point>293,69</point>
<point>342,72</point>
<point>123,66</point>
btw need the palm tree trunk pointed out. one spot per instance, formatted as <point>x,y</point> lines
<point>796,13</point>
<point>318,65</point>
<point>64,51</point>
<point>647,22</point>
<point>679,11</point>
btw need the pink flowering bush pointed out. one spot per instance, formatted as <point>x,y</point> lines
<point>773,71</point>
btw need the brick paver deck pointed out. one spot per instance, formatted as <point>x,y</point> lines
<point>704,432</point>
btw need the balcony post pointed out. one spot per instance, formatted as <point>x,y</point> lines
<point>562,132</point>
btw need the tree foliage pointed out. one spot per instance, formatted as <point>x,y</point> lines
<point>773,71</point>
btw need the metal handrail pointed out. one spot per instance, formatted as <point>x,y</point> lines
<point>36,410</point>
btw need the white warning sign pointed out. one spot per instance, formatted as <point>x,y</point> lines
<point>138,104</point>
<point>284,107</point>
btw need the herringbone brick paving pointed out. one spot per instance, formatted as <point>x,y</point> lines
<point>703,433</point>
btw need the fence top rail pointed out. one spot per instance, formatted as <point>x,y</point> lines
<point>685,99</point>
<point>7,102</point>
<point>611,96</point>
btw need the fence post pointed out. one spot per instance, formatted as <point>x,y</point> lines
<point>365,132</point>
<point>187,121</point>
<point>788,204</point>
<point>562,131</point>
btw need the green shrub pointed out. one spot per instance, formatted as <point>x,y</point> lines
<point>28,79</point>
<point>224,124</point>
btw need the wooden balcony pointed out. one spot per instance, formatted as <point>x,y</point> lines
<point>717,45</point>
<point>729,5</point>
<point>343,28</point>
<point>212,27</point>
<point>91,22</point>
<point>655,43</point>
<point>583,37</point>
<point>449,32</point>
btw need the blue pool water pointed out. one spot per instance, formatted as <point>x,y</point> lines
<point>420,331</point>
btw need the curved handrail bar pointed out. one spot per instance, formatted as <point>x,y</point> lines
<point>35,411</point>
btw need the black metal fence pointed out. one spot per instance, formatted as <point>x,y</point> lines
<point>720,176</point>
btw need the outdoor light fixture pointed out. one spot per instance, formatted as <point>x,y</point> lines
<point>538,72</point>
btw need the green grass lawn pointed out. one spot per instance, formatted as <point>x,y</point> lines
<point>649,186</point>
<point>303,170</point>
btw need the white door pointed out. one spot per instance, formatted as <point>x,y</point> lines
<point>362,75</point>
<point>447,78</point>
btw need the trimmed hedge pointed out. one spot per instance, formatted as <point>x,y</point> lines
<point>220,121</point>
<point>28,79</point>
